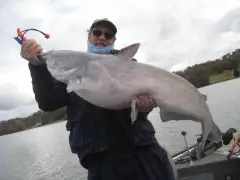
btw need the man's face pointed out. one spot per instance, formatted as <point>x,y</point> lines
<point>101,36</point>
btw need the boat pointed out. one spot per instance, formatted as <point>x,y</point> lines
<point>214,163</point>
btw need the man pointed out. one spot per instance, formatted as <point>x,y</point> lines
<point>108,145</point>
<point>232,134</point>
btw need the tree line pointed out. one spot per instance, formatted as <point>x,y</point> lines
<point>199,74</point>
<point>21,124</point>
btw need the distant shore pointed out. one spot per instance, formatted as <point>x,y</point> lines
<point>37,119</point>
<point>211,72</point>
<point>58,121</point>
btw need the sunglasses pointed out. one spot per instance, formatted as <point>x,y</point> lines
<point>98,33</point>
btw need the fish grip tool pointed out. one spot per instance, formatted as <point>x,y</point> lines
<point>21,37</point>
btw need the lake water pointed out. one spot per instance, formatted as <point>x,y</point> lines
<point>44,153</point>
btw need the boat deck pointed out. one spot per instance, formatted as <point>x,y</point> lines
<point>214,157</point>
<point>212,167</point>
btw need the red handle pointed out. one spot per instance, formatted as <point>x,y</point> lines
<point>47,36</point>
<point>20,34</point>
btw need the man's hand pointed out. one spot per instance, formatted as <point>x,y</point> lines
<point>145,104</point>
<point>29,50</point>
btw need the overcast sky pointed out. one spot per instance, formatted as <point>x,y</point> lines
<point>173,34</point>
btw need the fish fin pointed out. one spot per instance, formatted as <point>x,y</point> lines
<point>204,96</point>
<point>73,85</point>
<point>67,75</point>
<point>129,51</point>
<point>168,116</point>
<point>134,110</point>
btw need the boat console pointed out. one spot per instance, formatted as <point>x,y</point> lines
<point>227,169</point>
<point>213,164</point>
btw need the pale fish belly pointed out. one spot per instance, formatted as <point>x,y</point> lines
<point>105,94</point>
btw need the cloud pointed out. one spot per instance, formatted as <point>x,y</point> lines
<point>230,22</point>
<point>12,98</point>
<point>173,35</point>
<point>20,111</point>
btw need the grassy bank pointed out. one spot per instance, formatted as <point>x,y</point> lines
<point>224,76</point>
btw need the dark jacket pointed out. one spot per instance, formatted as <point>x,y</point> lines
<point>92,129</point>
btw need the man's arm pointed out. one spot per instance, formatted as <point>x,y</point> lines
<point>50,94</point>
<point>237,140</point>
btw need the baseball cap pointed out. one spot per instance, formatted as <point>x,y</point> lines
<point>104,21</point>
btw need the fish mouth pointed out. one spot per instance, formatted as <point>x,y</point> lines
<point>42,57</point>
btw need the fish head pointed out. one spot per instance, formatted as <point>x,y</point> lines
<point>65,59</point>
<point>63,63</point>
<point>69,59</point>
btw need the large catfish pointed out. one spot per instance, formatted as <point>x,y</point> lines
<point>113,82</point>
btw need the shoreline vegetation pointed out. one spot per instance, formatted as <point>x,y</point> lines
<point>204,74</point>
<point>211,72</point>
<point>35,120</point>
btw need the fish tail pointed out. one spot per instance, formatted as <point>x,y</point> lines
<point>215,134</point>
<point>210,129</point>
<point>211,133</point>
<point>206,130</point>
